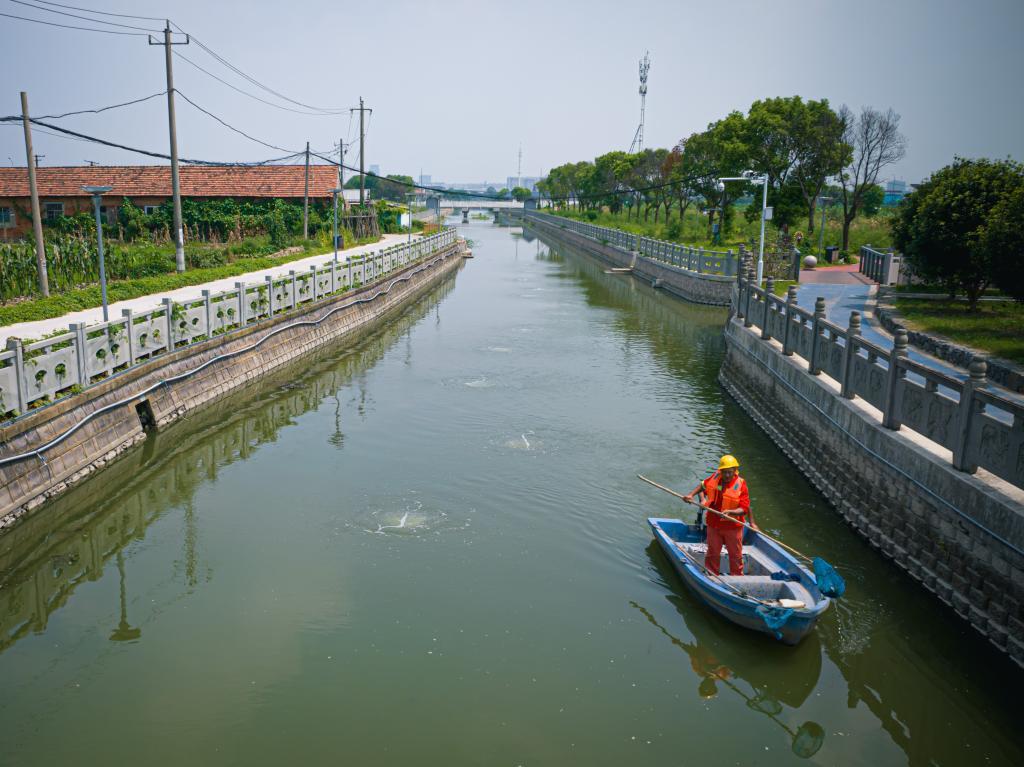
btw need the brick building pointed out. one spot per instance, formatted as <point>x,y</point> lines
<point>148,186</point>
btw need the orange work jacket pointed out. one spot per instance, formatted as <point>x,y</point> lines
<point>733,497</point>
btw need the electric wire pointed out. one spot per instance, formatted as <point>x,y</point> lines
<point>231,127</point>
<point>69,26</point>
<point>84,18</point>
<point>146,152</point>
<point>252,80</point>
<point>95,111</point>
<point>100,13</point>
<point>189,61</point>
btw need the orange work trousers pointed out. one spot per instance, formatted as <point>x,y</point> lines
<point>732,539</point>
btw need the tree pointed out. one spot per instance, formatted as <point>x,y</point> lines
<point>1004,240</point>
<point>876,142</point>
<point>797,145</point>
<point>719,151</point>
<point>503,193</point>
<point>394,187</point>
<point>874,196</point>
<point>820,152</point>
<point>521,194</point>
<point>943,226</point>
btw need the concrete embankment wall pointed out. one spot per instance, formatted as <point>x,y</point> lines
<point>28,483</point>
<point>700,288</point>
<point>960,535</point>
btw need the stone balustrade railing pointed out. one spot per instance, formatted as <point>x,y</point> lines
<point>697,260</point>
<point>981,424</point>
<point>37,373</point>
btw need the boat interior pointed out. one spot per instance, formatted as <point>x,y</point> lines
<point>758,567</point>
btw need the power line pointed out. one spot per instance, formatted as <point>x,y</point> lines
<point>189,61</point>
<point>254,81</point>
<point>231,127</point>
<point>101,109</point>
<point>69,26</point>
<point>101,13</point>
<point>146,152</point>
<point>84,18</point>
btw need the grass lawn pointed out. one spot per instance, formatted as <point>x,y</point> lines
<point>996,328</point>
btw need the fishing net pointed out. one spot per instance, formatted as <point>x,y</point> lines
<point>774,617</point>
<point>829,581</point>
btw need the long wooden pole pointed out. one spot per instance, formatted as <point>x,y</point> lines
<point>724,516</point>
<point>37,221</point>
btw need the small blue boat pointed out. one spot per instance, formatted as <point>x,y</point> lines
<point>746,599</point>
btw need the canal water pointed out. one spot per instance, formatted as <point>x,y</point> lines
<point>430,547</point>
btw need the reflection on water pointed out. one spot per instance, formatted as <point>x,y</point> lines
<point>45,557</point>
<point>362,534</point>
<point>775,676</point>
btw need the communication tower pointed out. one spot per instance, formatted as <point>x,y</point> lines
<point>638,137</point>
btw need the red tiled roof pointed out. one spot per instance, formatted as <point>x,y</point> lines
<point>155,181</point>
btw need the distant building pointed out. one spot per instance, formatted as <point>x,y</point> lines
<point>149,186</point>
<point>895,191</point>
<point>425,180</point>
<point>527,182</point>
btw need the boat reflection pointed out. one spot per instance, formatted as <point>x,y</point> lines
<point>725,656</point>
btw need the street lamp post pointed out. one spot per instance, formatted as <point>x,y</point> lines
<point>410,196</point>
<point>97,192</point>
<point>334,194</point>
<point>821,234</point>
<point>751,178</point>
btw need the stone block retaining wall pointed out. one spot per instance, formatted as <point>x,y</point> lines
<point>28,483</point>
<point>959,535</point>
<point>712,289</point>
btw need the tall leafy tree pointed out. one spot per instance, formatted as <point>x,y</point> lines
<point>944,226</point>
<point>1004,239</point>
<point>820,152</point>
<point>875,142</point>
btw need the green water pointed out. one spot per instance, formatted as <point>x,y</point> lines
<point>430,548</point>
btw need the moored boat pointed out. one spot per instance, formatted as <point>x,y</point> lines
<point>776,595</point>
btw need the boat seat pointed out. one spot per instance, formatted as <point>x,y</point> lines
<point>763,587</point>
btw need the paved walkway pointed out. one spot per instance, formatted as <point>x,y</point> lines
<point>190,293</point>
<point>845,291</point>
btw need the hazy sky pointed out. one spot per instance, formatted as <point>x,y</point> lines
<point>457,87</point>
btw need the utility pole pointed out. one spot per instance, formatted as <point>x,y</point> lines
<point>519,169</point>
<point>341,171</point>
<point>37,220</point>
<point>305,200</point>
<point>362,149</point>
<point>178,234</point>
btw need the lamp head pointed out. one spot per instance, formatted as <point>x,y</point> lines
<point>96,189</point>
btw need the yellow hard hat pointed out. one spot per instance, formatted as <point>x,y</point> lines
<point>728,462</point>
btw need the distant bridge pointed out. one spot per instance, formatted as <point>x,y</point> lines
<point>479,203</point>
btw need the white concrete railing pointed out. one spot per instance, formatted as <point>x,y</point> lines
<point>35,374</point>
<point>697,260</point>
<point>980,423</point>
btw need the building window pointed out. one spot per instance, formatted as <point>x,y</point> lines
<point>7,218</point>
<point>150,209</point>
<point>54,210</point>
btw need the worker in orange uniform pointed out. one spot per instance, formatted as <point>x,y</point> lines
<point>725,491</point>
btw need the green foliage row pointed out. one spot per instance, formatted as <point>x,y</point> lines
<point>964,228</point>
<point>797,146</point>
<point>692,229</point>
